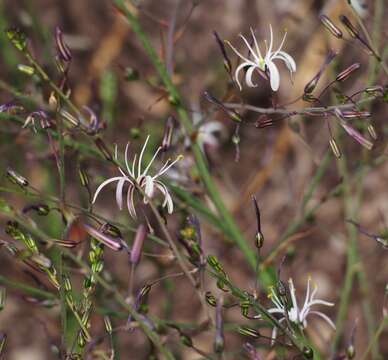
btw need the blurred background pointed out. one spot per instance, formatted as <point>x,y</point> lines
<point>111,74</point>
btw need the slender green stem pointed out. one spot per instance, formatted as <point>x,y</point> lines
<point>376,336</point>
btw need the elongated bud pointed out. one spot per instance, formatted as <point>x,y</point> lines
<point>281,289</point>
<point>103,148</point>
<point>375,90</point>
<point>108,325</point>
<point>69,117</point>
<point>16,178</point>
<point>347,72</point>
<point>227,63</point>
<point>112,243</point>
<point>25,69</point>
<point>263,121</point>
<point>235,116</point>
<point>259,237</point>
<point>356,135</point>
<point>3,296</point>
<point>168,131</point>
<point>62,49</point>
<point>18,38</point>
<point>137,247</point>
<point>335,148</point>
<point>372,132</point>
<point>249,332</point>
<point>355,114</point>
<point>329,25</point>
<point>219,340</point>
<point>353,32</point>
<point>83,176</point>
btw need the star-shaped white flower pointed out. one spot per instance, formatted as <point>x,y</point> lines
<point>297,315</point>
<point>261,63</point>
<point>135,176</point>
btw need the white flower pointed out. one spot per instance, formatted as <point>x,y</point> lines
<point>297,315</point>
<point>265,63</point>
<point>135,176</point>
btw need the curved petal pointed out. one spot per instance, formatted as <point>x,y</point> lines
<point>269,51</point>
<point>288,60</point>
<point>273,75</point>
<point>320,302</point>
<point>141,156</point>
<point>248,77</point>
<point>126,161</point>
<point>119,192</point>
<point>325,317</point>
<point>130,201</point>
<point>281,44</point>
<point>167,197</point>
<point>106,182</point>
<point>238,69</point>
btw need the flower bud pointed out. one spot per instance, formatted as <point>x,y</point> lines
<point>227,62</point>
<point>137,247</point>
<point>372,132</point>
<point>103,148</point>
<point>28,70</point>
<point>168,132</point>
<point>210,298</point>
<point>108,325</point>
<point>219,341</point>
<point>18,38</point>
<point>3,296</point>
<point>16,178</point>
<point>112,243</point>
<point>3,339</point>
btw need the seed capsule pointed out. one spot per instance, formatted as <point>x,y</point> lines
<point>347,72</point>
<point>108,325</point>
<point>372,132</point>
<point>335,148</point>
<point>349,27</point>
<point>329,25</point>
<point>16,178</point>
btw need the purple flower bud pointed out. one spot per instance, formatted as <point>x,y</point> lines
<point>107,240</point>
<point>355,114</point>
<point>137,247</point>
<point>227,63</point>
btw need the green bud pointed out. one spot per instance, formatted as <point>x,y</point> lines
<point>28,70</point>
<point>308,353</point>
<point>18,38</point>
<point>108,325</point>
<point>210,299</point>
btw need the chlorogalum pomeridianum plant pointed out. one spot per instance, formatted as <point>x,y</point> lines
<point>255,61</point>
<point>296,315</point>
<point>135,176</point>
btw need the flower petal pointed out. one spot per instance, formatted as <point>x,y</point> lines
<point>167,197</point>
<point>106,182</point>
<point>325,317</point>
<point>149,188</point>
<point>248,77</point>
<point>273,75</point>
<point>288,60</point>
<point>119,193</point>
<point>130,201</point>
<point>238,69</point>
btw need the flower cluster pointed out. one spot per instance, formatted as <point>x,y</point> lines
<point>264,64</point>
<point>137,177</point>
